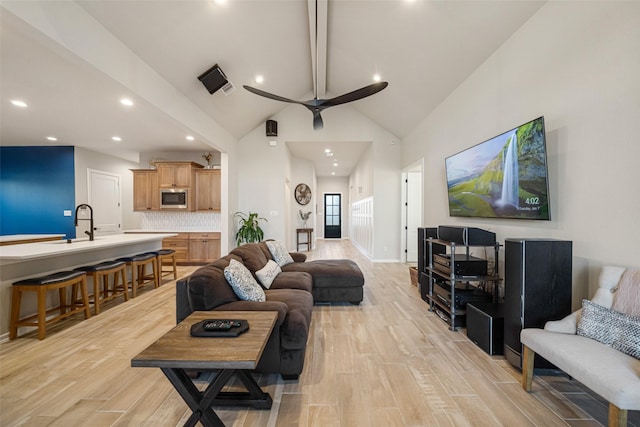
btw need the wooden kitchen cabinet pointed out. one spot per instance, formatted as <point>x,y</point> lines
<point>204,247</point>
<point>176,174</point>
<point>146,196</point>
<point>180,244</point>
<point>208,188</point>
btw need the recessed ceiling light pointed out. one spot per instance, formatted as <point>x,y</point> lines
<point>333,173</point>
<point>259,79</point>
<point>220,2</point>
<point>376,77</point>
<point>328,153</point>
<point>52,138</point>
<point>18,103</point>
<point>189,138</point>
<point>116,138</point>
<point>126,101</point>
<point>335,165</point>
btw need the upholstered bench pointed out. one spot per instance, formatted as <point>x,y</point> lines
<point>578,344</point>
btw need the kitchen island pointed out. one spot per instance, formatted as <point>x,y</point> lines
<point>36,259</point>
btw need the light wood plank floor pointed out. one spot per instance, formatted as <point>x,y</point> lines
<point>386,362</point>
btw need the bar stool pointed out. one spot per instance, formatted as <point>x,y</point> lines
<point>138,264</point>
<point>166,255</point>
<point>56,281</point>
<point>100,277</point>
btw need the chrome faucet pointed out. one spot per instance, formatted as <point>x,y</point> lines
<point>75,221</point>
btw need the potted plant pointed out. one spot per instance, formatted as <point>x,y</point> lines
<point>249,230</point>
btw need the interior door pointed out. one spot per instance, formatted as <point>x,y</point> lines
<point>332,218</point>
<point>104,198</point>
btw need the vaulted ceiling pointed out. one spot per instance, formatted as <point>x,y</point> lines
<point>50,58</point>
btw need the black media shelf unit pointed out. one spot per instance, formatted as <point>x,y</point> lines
<point>448,291</point>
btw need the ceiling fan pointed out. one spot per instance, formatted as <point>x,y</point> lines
<point>316,105</point>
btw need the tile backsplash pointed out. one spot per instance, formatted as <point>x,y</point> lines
<point>181,221</point>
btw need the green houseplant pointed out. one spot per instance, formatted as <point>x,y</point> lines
<point>249,230</point>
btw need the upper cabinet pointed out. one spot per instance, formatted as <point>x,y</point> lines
<point>208,190</point>
<point>176,174</point>
<point>203,186</point>
<point>145,190</point>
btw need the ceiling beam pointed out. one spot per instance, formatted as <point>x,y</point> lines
<point>318,40</point>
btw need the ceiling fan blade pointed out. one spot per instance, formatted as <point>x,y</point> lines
<point>317,120</point>
<point>355,95</point>
<point>270,95</point>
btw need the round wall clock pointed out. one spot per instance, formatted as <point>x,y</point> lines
<point>303,194</point>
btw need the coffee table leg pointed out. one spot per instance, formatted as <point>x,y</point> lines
<point>200,403</point>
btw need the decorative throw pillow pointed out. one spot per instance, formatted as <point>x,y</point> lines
<point>243,283</point>
<point>627,298</point>
<point>268,273</point>
<point>617,330</point>
<point>279,253</point>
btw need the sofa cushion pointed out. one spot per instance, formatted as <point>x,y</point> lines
<point>338,273</point>
<point>243,283</point>
<point>252,256</point>
<point>279,253</point>
<point>207,289</point>
<point>610,373</point>
<point>268,273</point>
<point>295,329</point>
<point>617,330</point>
<point>293,280</point>
<point>627,297</point>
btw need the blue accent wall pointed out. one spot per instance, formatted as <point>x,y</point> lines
<point>37,184</point>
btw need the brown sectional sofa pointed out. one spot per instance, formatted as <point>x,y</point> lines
<point>292,295</point>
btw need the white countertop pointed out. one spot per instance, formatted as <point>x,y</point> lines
<point>29,251</point>
<point>17,237</point>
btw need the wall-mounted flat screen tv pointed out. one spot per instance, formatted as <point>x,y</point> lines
<point>503,177</point>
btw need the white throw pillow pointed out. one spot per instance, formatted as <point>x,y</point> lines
<point>267,274</point>
<point>279,253</point>
<point>243,283</point>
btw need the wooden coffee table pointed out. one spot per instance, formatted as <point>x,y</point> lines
<point>177,351</point>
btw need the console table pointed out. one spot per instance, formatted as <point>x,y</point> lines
<point>177,351</point>
<point>303,231</point>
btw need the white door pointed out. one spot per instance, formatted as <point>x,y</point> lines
<point>104,198</point>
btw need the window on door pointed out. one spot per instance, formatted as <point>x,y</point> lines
<point>332,218</point>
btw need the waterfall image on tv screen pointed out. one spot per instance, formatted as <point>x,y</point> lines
<point>503,177</point>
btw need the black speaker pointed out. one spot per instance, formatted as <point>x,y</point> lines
<point>485,326</point>
<point>272,128</point>
<point>466,235</point>
<point>213,79</point>
<point>537,288</point>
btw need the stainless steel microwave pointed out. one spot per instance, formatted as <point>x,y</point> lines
<point>174,198</point>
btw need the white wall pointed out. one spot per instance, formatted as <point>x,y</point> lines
<point>86,159</point>
<point>576,63</point>
<point>261,174</point>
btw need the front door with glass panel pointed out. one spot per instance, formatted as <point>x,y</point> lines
<point>332,220</point>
